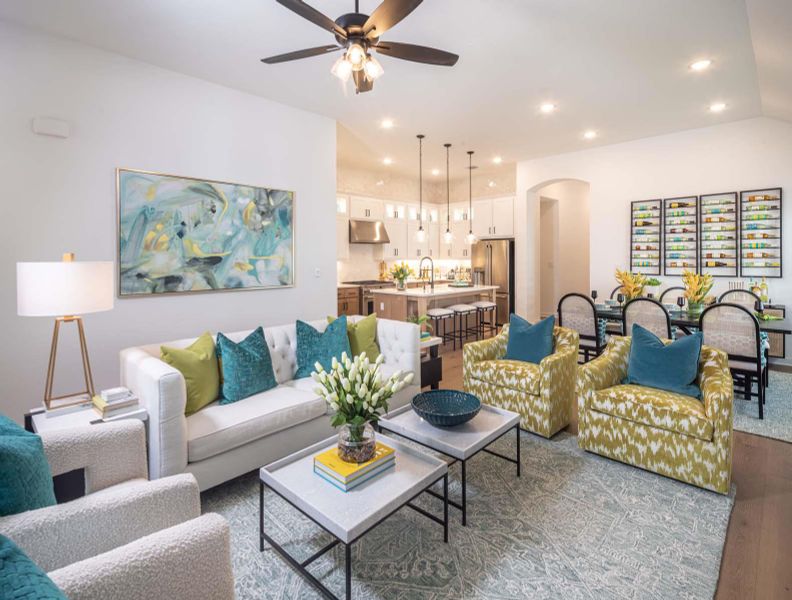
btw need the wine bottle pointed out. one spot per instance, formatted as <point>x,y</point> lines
<point>765,292</point>
<point>678,205</point>
<point>642,223</point>
<point>715,263</point>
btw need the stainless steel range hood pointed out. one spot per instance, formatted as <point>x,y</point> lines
<point>367,232</point>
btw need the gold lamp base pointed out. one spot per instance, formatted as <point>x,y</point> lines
<point>53,402</point>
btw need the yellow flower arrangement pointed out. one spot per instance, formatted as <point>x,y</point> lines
<point>632,284</point>
<point>401,271</point>
<point>696,286</point>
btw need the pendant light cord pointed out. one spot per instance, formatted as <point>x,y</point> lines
<point>420,137</point>
<point>448,188</point>
<point>470,190</point>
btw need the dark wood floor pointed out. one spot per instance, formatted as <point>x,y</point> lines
<point>757,559</point>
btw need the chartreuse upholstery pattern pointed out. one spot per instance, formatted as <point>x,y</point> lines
<point>542,394</point>
<point>667,433</point>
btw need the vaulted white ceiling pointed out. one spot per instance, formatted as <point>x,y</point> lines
<point>619,67</point>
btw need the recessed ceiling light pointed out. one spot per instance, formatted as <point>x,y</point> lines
<point>717,107</point>
<point>492,184</point>
<point>497,160</point>
<point>590,134</point>
<point>547,107</point>
<point>435,171</point>
<point>387,124</point>
<point>381,182</point>
<point>387,161</point>
<point>701,65</point>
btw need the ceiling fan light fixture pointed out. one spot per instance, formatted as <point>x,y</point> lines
<point>373,68</point>
<point>342,69</point>
<point>356,55</point>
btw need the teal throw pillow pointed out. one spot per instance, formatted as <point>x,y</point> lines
<point>530,343</point>
<point>25,476</point>
<point>672,367</point>
<point>21,578</point>
<point>313,346</point>
<point>246,367</point>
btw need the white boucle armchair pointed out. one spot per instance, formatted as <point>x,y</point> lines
<point>129,526</point>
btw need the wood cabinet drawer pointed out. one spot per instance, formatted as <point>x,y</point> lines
<point>777,340</point>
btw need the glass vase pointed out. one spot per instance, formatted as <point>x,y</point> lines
<point>695,308</point>
<point>356,443</point>
<point>401,285</point>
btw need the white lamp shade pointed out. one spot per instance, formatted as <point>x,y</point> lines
<point>59,289</point>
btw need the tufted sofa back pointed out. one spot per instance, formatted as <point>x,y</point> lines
<point>281,339</point>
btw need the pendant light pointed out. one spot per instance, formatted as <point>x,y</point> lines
<point>420,235</point>
<point>471,237</point>
<point>448,236</point>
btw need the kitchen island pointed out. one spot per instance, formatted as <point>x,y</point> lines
<point>390,303</point>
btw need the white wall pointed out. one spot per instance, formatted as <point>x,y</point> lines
<point>59,195</point>
<point>743,155</point>
<point>548,255</point>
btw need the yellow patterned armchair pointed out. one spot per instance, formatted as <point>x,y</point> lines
<point>667,433</point>
<point>542,394</point>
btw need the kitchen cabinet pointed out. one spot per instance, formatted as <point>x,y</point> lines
<point>434,240</point>
<point>342,205</point>
<point>397,249</point>
<point>460,249</point>
<point>349,301</point>
<point>342,238</point>
<point>493,217</point>
<point>366,208</point>
<point>395,211</point>
<point>416,249</point>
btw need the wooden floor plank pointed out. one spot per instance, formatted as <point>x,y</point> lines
<point>757,557</point>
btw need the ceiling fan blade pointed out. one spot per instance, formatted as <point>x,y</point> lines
<point>313,15</point>
<point>421,54</point>
<point>387,14</point>
<point>298,54</point>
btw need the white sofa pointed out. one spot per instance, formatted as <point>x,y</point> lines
<point>218,442</point>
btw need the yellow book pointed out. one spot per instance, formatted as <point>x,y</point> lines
<point>330,460</point>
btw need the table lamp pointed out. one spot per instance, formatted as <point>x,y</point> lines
<point>65,290</point>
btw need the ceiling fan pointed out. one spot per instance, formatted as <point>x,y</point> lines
<point>357,35</point>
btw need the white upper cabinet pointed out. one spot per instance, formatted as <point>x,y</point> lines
<point>395,211</point>
<point>460,249</point>
<point>342,205</point>
<point>366,208</point>
<point>398,248</point>
<point>493,217</point>
<point>434,240</point>
<point>342,238</point>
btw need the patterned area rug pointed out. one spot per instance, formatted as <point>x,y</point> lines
<point>777,422</point>
<point>574,526</point>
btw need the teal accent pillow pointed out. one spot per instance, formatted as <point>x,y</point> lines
<point>246,367</point>
<point>23,579</point>
<point>313,346</point>
<point>25,476</point>
<point>672,367</point>
<point>530,343</point>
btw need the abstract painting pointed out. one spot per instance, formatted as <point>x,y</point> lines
<point>179,234</point>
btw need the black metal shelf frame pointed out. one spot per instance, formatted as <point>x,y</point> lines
<point>761,235</point>
<point>642,259</point>
<point>719,234</point>
<point>682,243</point>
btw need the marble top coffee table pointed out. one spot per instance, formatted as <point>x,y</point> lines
<point>460,443</point>
<point>349,515</point>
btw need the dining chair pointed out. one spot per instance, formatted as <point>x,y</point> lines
<point>648,313</point>
<point>615,292</point>
<point>753,303</point>
<point>670,295</point>
<point>577,312</point>
<point>735,330</point>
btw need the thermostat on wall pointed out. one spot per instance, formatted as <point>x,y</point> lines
<point>51,127</point>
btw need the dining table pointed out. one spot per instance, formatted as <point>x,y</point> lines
<point>686,321</point>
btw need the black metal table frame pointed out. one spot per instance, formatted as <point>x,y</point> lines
<point>463,506</point>
<point>301,566</point>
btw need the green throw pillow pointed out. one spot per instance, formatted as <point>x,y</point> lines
<point>313,346</point>
<point>363,336</point>
<point>21,578</point>
<point>198,364</point>
<point>247,366</point>
<point>25,476</point>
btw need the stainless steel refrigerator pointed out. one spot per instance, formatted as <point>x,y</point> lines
<point>493,264</point>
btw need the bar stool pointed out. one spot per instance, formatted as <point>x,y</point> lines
<point>486,308</point>
<point>463,331</point>
<point>440,316</point>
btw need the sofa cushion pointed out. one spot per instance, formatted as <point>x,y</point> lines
<point>198,364</point>
<point>219,428</point>
<point>314,346</point>
<point>21,578</point>
<point>656,408</point>
<point>530,343</point>
<point>671,367</point>
<point>25,476</point>
<point>246,366</point>
<point>513,374</point>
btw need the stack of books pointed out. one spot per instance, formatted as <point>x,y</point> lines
<point>115,402</point>
<point>347,476</point>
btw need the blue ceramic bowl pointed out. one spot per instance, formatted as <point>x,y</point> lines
<point>446,408</point>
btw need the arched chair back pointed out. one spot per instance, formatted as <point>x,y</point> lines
<point>745,298</point>
<point>648,313</point>
<point>615,291</point>
<point>671,294</point>
<point>576,311</point>
<point>734,329</point>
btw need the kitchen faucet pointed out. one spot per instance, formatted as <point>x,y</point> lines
<point>431,271</point>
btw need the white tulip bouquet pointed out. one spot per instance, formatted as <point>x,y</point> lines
<point>356,391</point>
